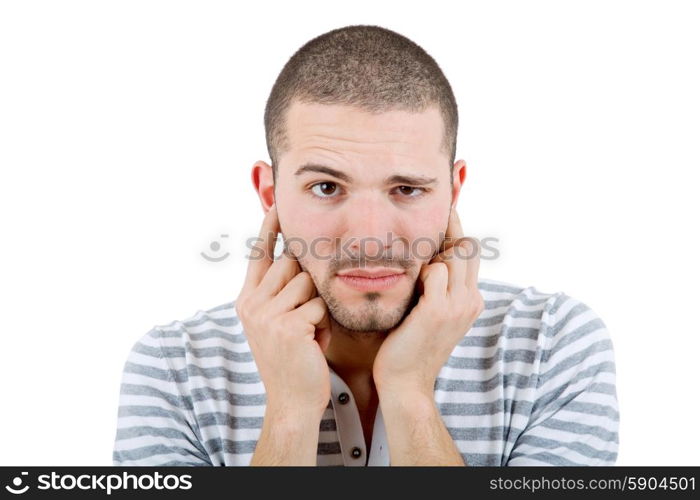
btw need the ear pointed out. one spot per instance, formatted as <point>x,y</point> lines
<point>263,182</point>
<point>459,176</point>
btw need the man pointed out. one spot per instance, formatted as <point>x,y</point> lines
<point>370,339</point>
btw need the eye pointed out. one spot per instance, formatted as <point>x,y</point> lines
<point>410,191</point>
<point>324,189</point>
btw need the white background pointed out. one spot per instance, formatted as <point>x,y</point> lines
<point>127,134</point>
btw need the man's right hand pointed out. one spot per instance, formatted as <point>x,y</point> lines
<point>287,327</point>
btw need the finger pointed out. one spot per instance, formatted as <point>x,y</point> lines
<point>455,258</point>
<point>297,291</point>
<point>311,312</point>
<point>434,277</point>
<point>262,253</point>
<point>454,230</point>
<point>473,263</point>
<point>323,331</point>
<point>280,273</point>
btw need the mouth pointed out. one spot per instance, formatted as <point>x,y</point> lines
<point>373,280</point>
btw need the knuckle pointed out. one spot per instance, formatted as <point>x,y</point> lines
<point>438,267</point>
<point>242,306</point>
<point>476,303</point>
<point>469,246</point>
<point>279,329</point>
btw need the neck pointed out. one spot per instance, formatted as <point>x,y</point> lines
<point>351,354</point>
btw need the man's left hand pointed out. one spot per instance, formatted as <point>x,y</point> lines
<point>410,358</point>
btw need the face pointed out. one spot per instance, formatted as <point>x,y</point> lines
<point>359,192</point>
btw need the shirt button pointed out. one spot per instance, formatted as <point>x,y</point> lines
<point>356,452</point>
<point>343,398</point>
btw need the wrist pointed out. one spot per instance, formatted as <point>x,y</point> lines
<point>291,417</point>
<point>411,400</point>
<point>289,436</point>
<point>405,389</point>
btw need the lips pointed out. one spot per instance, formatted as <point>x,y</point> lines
<point>371,280</point>
<point>371,273</point>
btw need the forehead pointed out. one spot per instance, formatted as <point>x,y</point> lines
<point>347,131</point>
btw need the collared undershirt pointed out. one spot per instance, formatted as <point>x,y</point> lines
<point>531,383</point>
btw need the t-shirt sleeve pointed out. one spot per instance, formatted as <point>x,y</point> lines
<point>575,415</point>
<point>155,423</point>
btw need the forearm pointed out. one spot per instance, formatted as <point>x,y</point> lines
<point>416,433</point>
<point>288,437</point>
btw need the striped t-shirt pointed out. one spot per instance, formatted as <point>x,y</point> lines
<point>531,383</point>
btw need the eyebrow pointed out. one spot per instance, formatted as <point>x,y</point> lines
<point>407,180</point>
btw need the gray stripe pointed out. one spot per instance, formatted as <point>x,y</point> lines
<point>511,313</point>
<point>509,355</point>
<point>482,459</point>
<point>520,332</point>
<point>547,458</point>
<point>470,340</point>
<point>153,372</point>
<point>580,448</point>
<point>515,302</point>
<point>560,298</point>
<point>577,310</point>
<point>228,446</point>
<point>147,430</point>
<point>234,338</point>
<point>179,463</point>
<point>526,301</point>
<point>328,425</point>
<point>168,432</point>
<point>601,410</point>
<point>221,372</point>
<point>603,388</point>
<point>146,390</point>
<point>493,287</point>
<point>205,393</point>
<point>151,411</point>
<point>210,352</point>
<point>480,340</point>
<point>182,375</point>
<point>328,448</point>
<point>546,399</point>
<point>494,433</point>
<point>229,321</point>
<point>212,333</point>
<point>498,380</point>
<point>201,352</point>
<point>576,359</point>
<point>223,418</point>
<point>579,428</point>
<point>157,333</point>
<point>493,408</point>
<point>148,451</point>
<point>578,333</point>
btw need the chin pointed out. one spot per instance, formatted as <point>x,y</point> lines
<point>368,314</point>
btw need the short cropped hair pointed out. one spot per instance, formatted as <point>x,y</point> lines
<point>366,66</point>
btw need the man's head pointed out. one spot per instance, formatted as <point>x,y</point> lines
<point>361,128</point>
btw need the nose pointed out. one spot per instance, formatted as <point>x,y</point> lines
<point>371,226</point>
